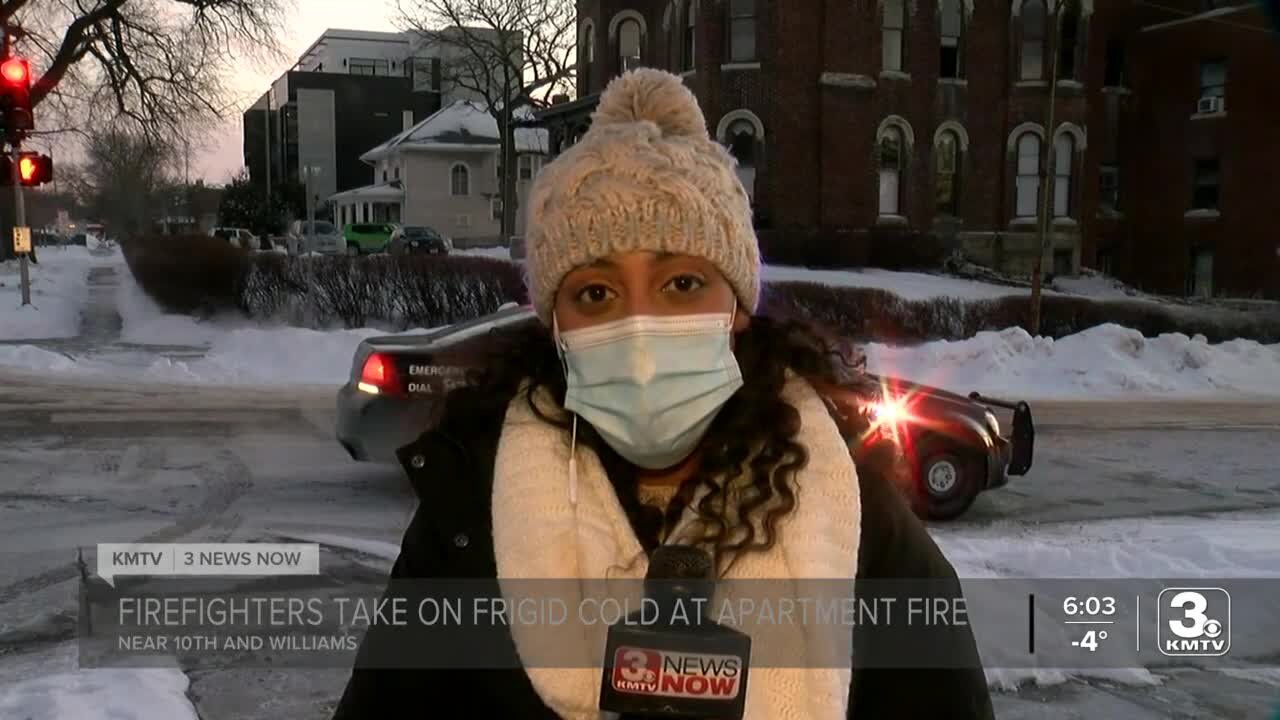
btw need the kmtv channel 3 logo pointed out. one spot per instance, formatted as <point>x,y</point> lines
<point>1194,622</point>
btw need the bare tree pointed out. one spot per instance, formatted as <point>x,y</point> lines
<point>502,52</point>
<point>160,65</point>
<point>127,180</point>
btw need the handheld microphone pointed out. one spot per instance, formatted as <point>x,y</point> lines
<point>679,664</point>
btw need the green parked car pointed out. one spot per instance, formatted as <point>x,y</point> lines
<point>367,238</point>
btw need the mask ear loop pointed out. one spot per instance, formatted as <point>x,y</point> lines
<point>573,436</point>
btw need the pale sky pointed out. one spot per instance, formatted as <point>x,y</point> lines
<point>310,18</point>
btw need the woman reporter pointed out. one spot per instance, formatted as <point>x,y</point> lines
<point>651,406</point>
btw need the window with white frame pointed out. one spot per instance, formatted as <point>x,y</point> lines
<point>367,66</point>
<point>741,29</point>
<point>629,40</point>
<point>893,32</point>
<point>529,165</point>
<point>1027,183</point>
<point>1213,84</point>
<point>1064,149</point>
<point>947,173</point>
<point>1034,20</point>
<point>890,152</point>
<point>587,51</point>
<point>460,179</point>
<point>1109,187</point>
<point>952,21</point>
<point>741,139</point>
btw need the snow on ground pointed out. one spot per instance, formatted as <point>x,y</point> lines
<point>1224,546</point>
<point>55,689</point>
<point>908,285</point>
<point>1107,361</point>
<point>58,292</point>
<point>143,322</point>
<point>497,253</point>
<point>374,548</point>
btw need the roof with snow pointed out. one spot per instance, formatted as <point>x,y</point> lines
<point>463,124</point>
<point>381,192</point>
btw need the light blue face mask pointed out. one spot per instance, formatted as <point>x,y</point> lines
<point>650,385</point>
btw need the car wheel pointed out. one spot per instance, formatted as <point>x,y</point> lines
<point>352,250</point>
<point>948,483</point>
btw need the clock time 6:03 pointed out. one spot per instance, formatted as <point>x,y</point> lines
<point>1091,605</point>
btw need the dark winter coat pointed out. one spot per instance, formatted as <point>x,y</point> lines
<point>451,468</point>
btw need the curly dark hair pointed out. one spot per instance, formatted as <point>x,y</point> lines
<point>753,435</point>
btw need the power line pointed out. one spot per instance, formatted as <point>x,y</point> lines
<point>1190,15</point>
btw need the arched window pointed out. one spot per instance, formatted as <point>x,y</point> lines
<point>1064,149</point>
<point>946,153</point>
<point>1069,43</point>
<point>890,151</point>
<point>1028,181</point>
<point>893,30</point>
<point>688,35</point>
<point>459,179</point>
<point>741,30</point>
<point>629,37</point>
<point>1033,31</point>
<point>587,49</point>
<point>741,132</point>
<point>952,21</point>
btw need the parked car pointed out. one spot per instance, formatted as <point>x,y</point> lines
<point>238,237</point>
<point>415,239</point>
<point>367,238</point>
<point>43,238</point>
<point>327,238</point>
<point>80,239</point>
<point>953,443</point>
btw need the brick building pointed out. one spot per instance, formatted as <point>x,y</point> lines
<point>893,118</point>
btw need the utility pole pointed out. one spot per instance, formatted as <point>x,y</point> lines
<point>19,207</point>
<point>20,221</point>
<point>1046,177</point>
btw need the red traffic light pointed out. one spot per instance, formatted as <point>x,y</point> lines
<point>33,169</point>
<point>28,167</point>
<point>15,71</point>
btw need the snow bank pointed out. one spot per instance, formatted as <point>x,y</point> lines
<point>908,285</point>
<point>285,356</point>
<point>1102,362</point>
<point>58,293</point>
<point>143,322</point>
<point>58,692</point>
<point>1236,545</point>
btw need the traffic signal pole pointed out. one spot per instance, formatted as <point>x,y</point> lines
<point>20,220</point>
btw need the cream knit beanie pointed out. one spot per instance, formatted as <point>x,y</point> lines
<point>645,176</point>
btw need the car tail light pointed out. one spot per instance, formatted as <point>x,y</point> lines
<point>378,376</point>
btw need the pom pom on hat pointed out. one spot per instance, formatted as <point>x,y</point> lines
<point>653,95</point>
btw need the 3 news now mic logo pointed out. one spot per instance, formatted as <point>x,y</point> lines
<point>697,676</point>
<point>1194,622</point>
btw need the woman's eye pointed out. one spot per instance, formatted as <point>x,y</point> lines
<point>594,294</point>
<point>684,284</point>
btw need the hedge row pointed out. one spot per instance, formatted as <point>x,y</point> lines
<point>871,314</point>
<point>202,275</point>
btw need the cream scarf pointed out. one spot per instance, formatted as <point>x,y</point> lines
<point>539,533</point>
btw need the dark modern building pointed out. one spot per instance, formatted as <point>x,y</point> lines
<point>348,93</point>
<point>893,119</point>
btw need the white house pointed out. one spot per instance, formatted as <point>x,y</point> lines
<point>443,172</point>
